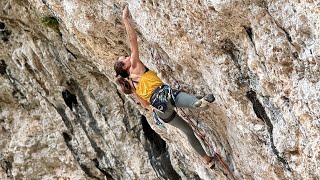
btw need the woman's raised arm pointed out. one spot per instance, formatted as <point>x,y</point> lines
<point>132,36</point>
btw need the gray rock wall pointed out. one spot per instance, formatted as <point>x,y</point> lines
<point>61,116</point>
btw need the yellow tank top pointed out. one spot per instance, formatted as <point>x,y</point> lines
<point>147,84</point>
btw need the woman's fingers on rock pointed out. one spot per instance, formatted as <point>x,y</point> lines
<point>124,5</point>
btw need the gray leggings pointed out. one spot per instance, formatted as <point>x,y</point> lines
<point>186,101</point>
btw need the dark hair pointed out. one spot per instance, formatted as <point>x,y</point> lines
<point>118,67</point>
<point>124,84</point>
<point>121,74</point>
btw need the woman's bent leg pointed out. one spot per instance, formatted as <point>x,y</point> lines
<point>185,100</point>
<point>179,123</point>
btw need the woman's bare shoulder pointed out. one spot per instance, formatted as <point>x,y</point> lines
<point>138,70</point>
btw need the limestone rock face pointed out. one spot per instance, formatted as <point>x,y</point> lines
<point>62,116</point>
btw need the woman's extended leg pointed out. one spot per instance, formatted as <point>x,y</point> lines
<point>179,123</point>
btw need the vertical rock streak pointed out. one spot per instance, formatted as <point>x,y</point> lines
<point>261,114</point>
<point>157,152</point>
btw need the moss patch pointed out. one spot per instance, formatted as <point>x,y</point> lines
<point>51,22</point>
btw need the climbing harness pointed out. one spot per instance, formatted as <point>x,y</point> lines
<point>161,96</point>
<point>159,101</point>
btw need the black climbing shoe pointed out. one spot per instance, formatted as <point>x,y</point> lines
<point>204,102</point>
<point>212,163</point>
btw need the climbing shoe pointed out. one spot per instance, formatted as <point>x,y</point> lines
<point>204,102</point>
<point>212,162</point>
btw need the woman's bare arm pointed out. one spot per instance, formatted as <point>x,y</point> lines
<point>132,36</point>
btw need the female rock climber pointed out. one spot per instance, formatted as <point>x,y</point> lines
<point>133,77</point>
